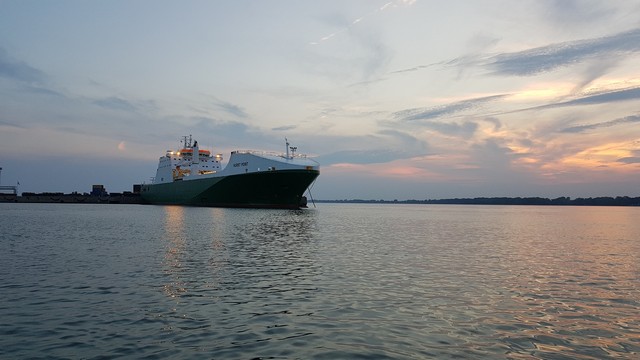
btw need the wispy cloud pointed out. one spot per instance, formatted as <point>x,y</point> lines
<point>401,140</point>
<point>72,130</point>
<point>396,3</point>
<point>604,53</point>
<point>603,97</point>
<point>18,70</point>
<point>115,103</point>
<point>565,13</point>
<point>284,128</point>
<point>550,57</point>
<point>373,156</point>
<point>444,110</point>
<point>599,98</point>
<point>415,68</point>
<point>464,130</point>
<point>582,128</point>
<point>496,122</point>
<point>230,108</point>
<point>630,160</point>
<point>594,71</point>
<point>381,147</point>
<point>228,129</point>
<point>11,124</point>
<point>492,152</point>
<point>42,90</point>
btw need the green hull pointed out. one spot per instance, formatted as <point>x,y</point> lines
<point>267,189</point>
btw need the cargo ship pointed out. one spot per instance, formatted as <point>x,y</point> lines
<point>250,179</point>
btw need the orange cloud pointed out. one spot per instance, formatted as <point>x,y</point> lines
<point>600,155</point>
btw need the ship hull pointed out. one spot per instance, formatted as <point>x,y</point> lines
<point>283,189</point>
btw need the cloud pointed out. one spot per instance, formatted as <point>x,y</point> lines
<point>493,159</point>
<point>404,139</point>
<point>415,68</point>
<point>565,13</point>
<point>373,156</point>
<point>381,147</point>
<point>594,71</point>
<point>72,130</point>
<point>233,133</point>
<point>364,57</point>
<point>284,128</point>
<point>411,146</point>
<point>600,98</point>
<point>464,130</point>
<point>582,128</point>
<point>11,124</point>
<point>606,97</point>
<point>376,56</point>
<point>347,25</point>
<point>19,70</point>
<point>226,127</point>
<point>603,97</point>
<point>630,160</point>
<point>439,111</point>
<point>496,122</point>
<point>230,108</point>
<point>115,103</point>
<point>41,90</point>
<point>605,51</point>
<point>550,57</point>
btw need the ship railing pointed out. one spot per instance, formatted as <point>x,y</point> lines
<point>269,153</point>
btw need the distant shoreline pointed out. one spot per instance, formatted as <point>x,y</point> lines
<point>73,198</point>
<point>561,201</point>
<point>133,198</point>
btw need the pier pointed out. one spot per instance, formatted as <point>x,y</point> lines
<point>73,198</point>
<point>98,195</point>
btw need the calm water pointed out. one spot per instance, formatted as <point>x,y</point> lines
<point>339,281</point>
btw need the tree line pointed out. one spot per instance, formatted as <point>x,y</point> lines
<point>591,201</point>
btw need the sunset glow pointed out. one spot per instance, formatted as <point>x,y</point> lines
<point>387,105</point>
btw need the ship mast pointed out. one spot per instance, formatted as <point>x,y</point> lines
<point>186,141</point>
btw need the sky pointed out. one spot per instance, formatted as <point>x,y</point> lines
<point>401,99</point>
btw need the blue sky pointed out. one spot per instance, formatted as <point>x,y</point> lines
<point>395,99</point>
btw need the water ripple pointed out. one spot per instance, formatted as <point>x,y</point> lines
<point>340,281</point>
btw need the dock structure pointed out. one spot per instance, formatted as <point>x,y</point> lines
<point>73,198</point>
<point>9,190</point>
<point>98,195</point>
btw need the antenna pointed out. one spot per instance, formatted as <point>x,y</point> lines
<point>186,141</point>
<point>286,146</point>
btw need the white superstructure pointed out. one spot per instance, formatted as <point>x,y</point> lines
<point>191,163</point>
